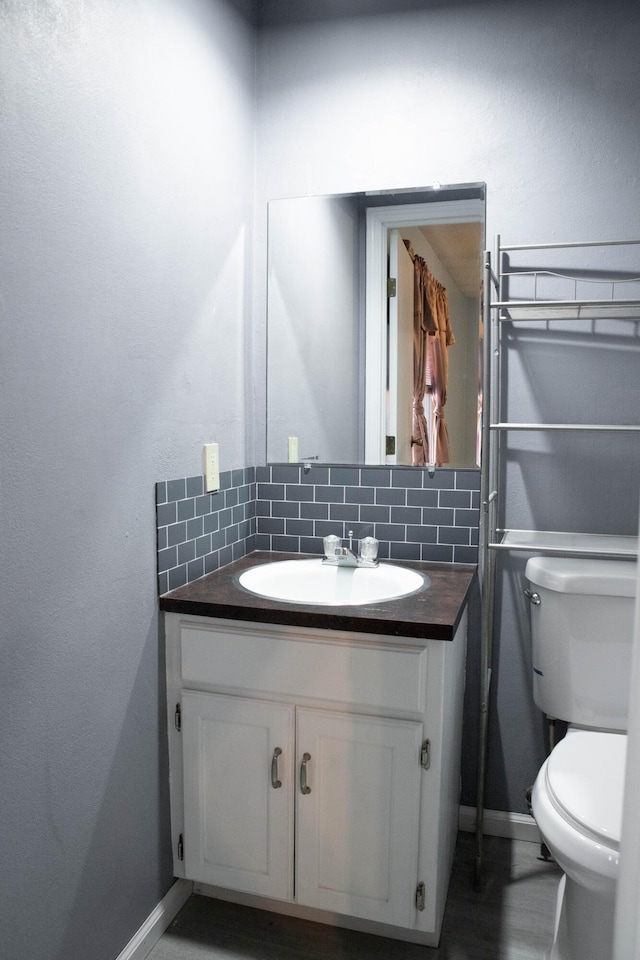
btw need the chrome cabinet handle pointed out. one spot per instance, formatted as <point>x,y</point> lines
<point>534,597</point>
<point>275,783</point>
<point>304,787</point>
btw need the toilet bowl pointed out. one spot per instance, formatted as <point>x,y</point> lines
<point>577,804</point>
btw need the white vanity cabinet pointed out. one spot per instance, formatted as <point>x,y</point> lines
<point>316,772</point>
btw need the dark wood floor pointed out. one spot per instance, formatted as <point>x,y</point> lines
<point>509,918</point>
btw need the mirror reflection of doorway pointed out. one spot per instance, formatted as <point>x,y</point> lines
<point>448,236</point>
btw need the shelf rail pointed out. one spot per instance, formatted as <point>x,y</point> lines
<point>487,557</point>
<point>567,245</point>
<point>598,427</point>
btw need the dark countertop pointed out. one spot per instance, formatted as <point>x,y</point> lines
<point>433,613</point>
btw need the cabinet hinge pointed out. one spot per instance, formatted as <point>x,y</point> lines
<point>177,717</point>
<point>425,754</point>
<point>391,287</point>
<point>420,896</point>
<point>180,847</point>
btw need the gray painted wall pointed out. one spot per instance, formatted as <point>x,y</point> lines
<point>540,101</point>
<point>125,200</point>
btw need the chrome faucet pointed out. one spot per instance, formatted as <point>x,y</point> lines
<point>336,554</point>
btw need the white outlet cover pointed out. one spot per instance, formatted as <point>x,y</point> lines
<point>211,467</point>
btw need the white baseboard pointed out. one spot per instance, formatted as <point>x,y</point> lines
<point>154,926</point>
<point>498,823</point>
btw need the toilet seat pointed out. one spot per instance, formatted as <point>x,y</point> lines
<point>584,779</point>
<point>577,804</point>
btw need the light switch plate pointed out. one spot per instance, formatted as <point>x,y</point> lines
<point>211,467</point>
<point>293,449</point>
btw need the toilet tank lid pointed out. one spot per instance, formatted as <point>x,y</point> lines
<point>605,578</point>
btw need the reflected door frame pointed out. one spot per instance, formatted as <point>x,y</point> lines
<point>379,221</point>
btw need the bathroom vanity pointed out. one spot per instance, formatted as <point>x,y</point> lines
<point>315,750</point>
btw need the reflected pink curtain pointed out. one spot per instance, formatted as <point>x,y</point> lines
<point>423,325</point>
<point>432,335</point>
<point>438,367</point>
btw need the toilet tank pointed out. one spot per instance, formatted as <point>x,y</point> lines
<point>582,634</point>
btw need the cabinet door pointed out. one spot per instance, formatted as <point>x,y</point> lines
<point>238,793</point>
<point>358,804</point>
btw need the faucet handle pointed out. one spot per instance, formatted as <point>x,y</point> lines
<point>331,546</point>
<point>369,548</point>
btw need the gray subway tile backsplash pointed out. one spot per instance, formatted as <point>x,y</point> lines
<point>422,533</point>
<point>467,480</point>
<point>282,508</point>
<point>344,511</point>
<point>314,511</point>
<point>375,477</point>
<point>454,498</point>
<point>375,514</point>
<point>291,507</point>
<point>415,516</point>
<point>406,515</point>
<point>195,486</point>
<point>176,490</point>
<point>345,476</point>
<point>422,498</point>
<point>166,514</point>
<point>466,518</point>
<point>299,492</point>
<point>405,551</point>
<point>270,491</point>
<point>167,559</point>
<point>198,532</point>
<point>285,473</point>
<point>186,509</point>
<point>393,496</point>
<point>406,477</point>
<point>361,495</point>
<point>454,535</point>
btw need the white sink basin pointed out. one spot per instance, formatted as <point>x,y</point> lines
<point>314,582</point>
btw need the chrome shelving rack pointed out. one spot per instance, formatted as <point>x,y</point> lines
<point>499,308</point>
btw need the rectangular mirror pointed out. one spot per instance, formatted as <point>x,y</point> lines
<point>341,342</point>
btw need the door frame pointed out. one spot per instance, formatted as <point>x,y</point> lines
<point>379,220</point>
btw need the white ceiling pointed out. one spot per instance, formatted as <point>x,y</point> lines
<point>459,247</point>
